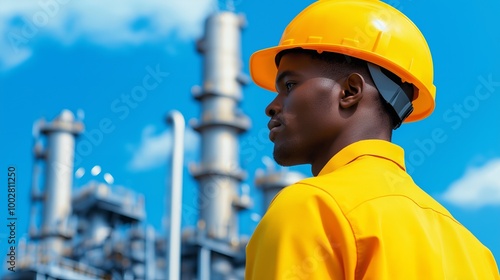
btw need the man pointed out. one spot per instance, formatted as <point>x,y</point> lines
<point>347,73</point>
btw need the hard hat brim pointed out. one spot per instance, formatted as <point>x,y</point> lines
<point>263,72</point>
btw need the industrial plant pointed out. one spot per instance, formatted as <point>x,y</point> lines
<point>100,231</point>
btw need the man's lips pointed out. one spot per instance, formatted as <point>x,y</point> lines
<point>274,125</point>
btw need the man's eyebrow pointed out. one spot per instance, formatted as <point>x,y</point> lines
<point>283,74</point>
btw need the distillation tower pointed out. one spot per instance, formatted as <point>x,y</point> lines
<point>56,198</point>
<point>216,246</point>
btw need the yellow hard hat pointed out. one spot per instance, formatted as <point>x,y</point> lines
<point>366,29</point>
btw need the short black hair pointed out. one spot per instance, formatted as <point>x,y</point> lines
<point>347,65</point>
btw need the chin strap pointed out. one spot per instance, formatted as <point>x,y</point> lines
<point>393,94</point>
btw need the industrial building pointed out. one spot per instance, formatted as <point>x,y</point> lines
<point>100,231</point>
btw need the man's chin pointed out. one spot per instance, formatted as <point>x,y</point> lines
<point>285,159</point>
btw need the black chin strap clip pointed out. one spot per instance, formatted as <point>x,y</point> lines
<point>393,94</point>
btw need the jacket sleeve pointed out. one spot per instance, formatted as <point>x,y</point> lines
<point>303,235</point>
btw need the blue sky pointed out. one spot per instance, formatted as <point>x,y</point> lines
<point>88,56</point>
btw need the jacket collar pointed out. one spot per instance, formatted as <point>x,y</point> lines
<point>377,148</point>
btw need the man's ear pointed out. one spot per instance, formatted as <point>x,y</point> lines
<point>352,90</point>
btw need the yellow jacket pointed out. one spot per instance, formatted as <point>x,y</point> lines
<point>363,217</point>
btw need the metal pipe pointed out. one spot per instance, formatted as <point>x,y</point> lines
<point>204,264</point>
<point>174,248</point>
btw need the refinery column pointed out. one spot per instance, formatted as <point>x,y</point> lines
<point>219,174</point>
<point>59,160</point>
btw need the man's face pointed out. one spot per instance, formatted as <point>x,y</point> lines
<point>305,114</point>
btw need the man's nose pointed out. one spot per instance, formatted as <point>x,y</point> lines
<point>274,107</point>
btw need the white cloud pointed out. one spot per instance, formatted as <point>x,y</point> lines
<point>478,187</point>
<point>105,23</point>
<point>156,149</point>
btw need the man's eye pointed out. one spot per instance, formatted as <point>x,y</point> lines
<point>289,86</point>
